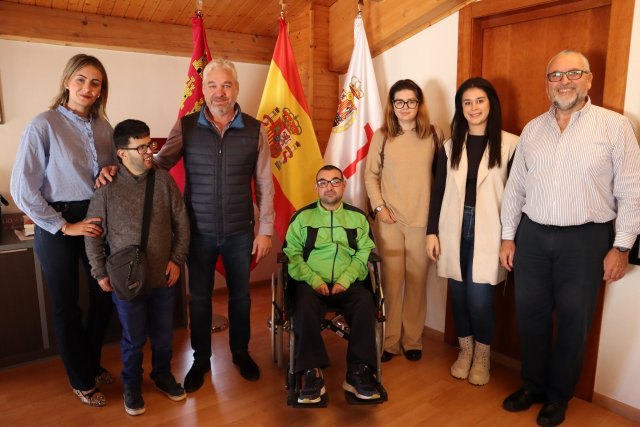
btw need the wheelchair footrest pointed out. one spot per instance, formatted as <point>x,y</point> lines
<point>352,399</point>
<point>292,400</point>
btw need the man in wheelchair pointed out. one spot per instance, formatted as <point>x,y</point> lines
<point>328,244</point>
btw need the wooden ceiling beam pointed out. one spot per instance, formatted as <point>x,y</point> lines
<point>38,24</point>
<point>387,23</point>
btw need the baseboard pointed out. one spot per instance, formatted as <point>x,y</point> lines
<point>617,407</point>
<point>433,334</point>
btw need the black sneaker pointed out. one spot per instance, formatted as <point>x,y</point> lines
<point>167,384</point>
<point>195,377</point>
<point>248,368</point>
<point>133,402</point>
<point>360,382</point>
<point>312,387</point>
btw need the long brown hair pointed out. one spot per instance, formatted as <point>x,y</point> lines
<point>391,126</point>
<point>98,109</point>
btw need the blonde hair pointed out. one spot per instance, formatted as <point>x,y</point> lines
<point>98,109</point>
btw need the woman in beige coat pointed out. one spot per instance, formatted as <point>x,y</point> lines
<point>464,228</point>
<point>398,178</point>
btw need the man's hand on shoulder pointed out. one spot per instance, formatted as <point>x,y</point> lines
<point>106,175</point>
<point>615,265</point>
<point>261,246</point>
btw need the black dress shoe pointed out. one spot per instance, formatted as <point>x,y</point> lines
<point>413,355</point>
<point>522,400</point>
<point>195,377</point>
<point>386,356</point>
<point>248,368</point>
<point>551,414</point>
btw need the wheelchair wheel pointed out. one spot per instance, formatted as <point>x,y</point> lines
<point>278,340</point>
<point>271,323</point>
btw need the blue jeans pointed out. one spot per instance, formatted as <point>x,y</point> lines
<point>471,303</point>
<point>79,339</point>
<point>150,316</point>
<point>236,258</point>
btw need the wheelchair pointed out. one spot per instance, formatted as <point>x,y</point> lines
<point>281,322</point>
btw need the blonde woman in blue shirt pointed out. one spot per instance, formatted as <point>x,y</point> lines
<point>62,153</point>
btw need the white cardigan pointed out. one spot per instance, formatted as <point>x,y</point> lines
<point>490,186</point>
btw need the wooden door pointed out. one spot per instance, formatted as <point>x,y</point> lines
<point>509,42</point>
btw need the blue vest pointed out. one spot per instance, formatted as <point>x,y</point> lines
<point>219,171</point>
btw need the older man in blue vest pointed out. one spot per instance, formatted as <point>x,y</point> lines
<point>224,152</point>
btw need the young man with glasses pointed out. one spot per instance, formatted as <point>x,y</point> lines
<point>120,206</point>
<point>328,244</point>
<point>570,214</point>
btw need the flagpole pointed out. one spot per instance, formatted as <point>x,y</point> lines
<point>218,322</point>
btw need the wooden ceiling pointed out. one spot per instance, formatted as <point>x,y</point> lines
<point>243,30</point>
<point>257,17</point>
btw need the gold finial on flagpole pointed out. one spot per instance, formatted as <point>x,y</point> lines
<point>360,6</point>
<point>283,6</point>
<point>199,8</point>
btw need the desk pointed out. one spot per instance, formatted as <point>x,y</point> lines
<point>26,328</point>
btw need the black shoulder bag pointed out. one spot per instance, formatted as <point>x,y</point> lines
<point>127,267</point>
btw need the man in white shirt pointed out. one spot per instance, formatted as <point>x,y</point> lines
<point>572,205</point>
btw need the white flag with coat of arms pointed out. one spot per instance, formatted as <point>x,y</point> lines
<point>359,115</point>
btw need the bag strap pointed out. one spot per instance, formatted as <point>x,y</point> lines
<point>146,214</point>
<point>384,142</point>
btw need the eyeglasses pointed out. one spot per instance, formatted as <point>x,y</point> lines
<point>142,149</point>
<point>400,103</point>
<point>556,76</point>
<point>335,182</point>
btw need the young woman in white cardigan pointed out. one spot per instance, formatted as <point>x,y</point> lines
<point>464,231</point>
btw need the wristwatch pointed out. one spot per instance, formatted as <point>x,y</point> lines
<point>621,249</point>
<point>379,208</point>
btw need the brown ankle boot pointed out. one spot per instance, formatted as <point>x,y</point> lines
<point>479,373</point>
<point>460,368</point>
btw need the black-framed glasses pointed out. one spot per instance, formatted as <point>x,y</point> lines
<point>335,182</point>
<point>142,149</point>
<point>556,76</point>
<point>400,103</point>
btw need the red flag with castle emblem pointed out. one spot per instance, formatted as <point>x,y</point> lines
<point>192,98</point>
<point>359,116</point>
<point>295,155</point>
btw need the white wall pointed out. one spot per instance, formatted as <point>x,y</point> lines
<point>618,368</point>
<point>430,59</point>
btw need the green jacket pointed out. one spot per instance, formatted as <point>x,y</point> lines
<point>328,246</point>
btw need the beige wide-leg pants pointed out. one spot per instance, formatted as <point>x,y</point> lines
<point>404,279</point>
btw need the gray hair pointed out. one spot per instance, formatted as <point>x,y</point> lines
<point>571,52</point>
<point>221,63</point>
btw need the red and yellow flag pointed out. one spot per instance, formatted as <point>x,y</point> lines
<point>295,155</point>
<point>192,99</point>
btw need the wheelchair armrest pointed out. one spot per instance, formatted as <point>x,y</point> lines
<point>374,257</point>
<point>282,258</point>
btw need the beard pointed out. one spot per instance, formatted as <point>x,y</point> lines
<point>564,104</point>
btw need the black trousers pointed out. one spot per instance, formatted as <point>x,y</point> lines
<point>79,338</point>
<point>557,269</point>
<point>357,305</point>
